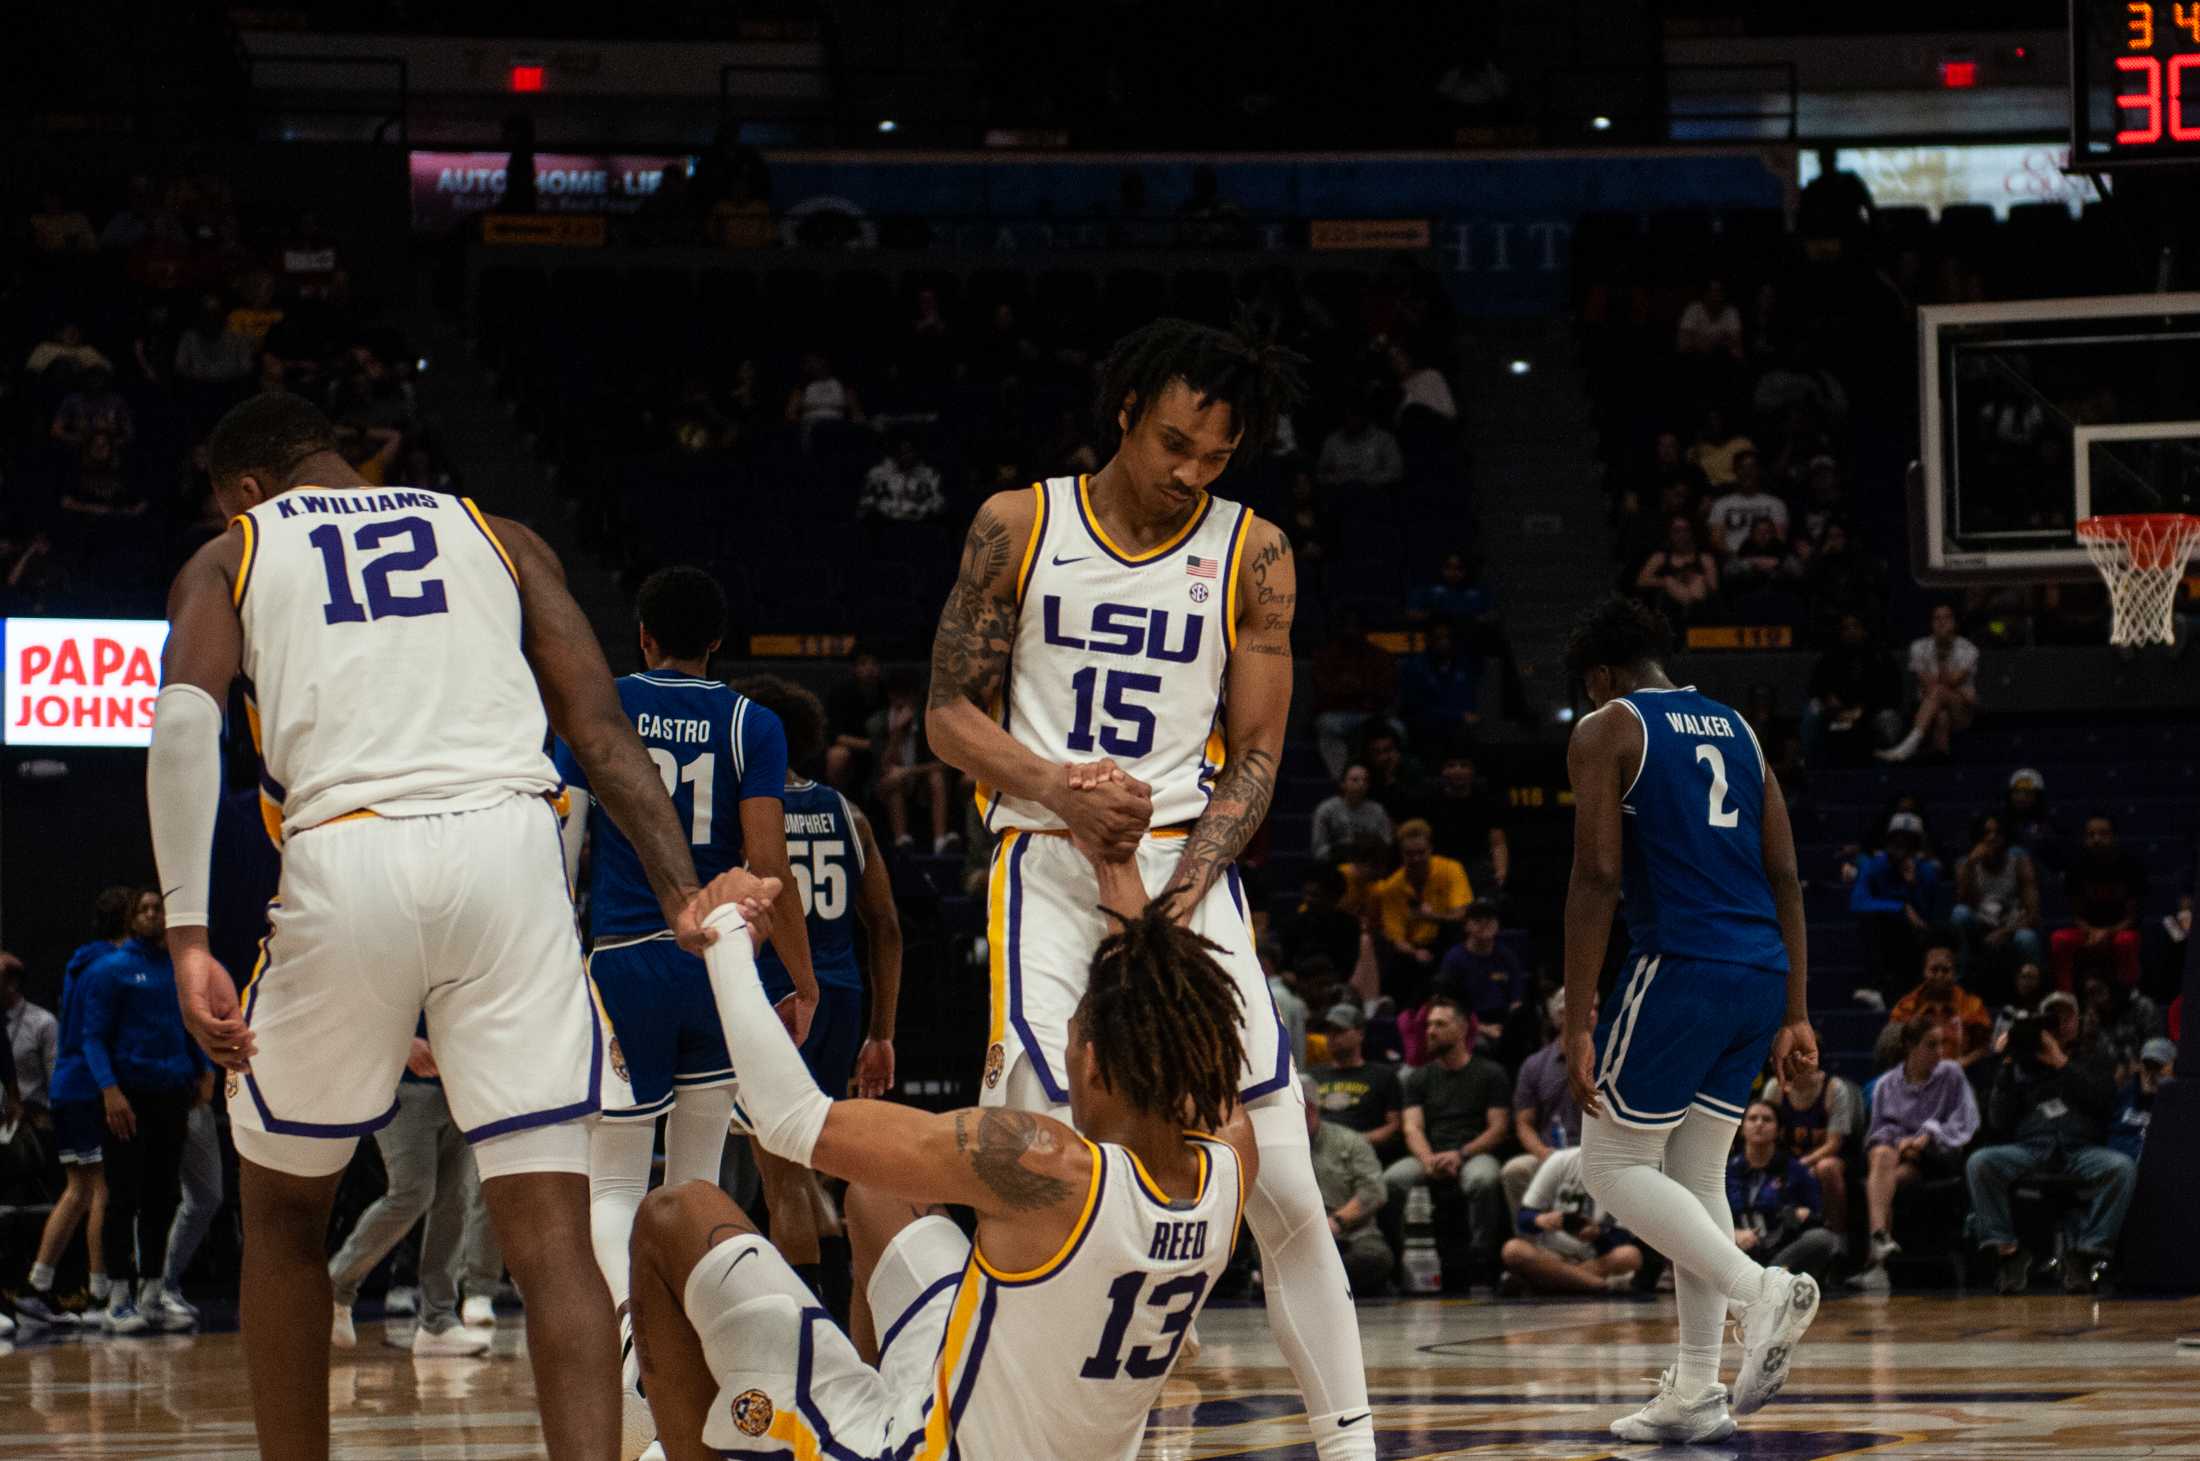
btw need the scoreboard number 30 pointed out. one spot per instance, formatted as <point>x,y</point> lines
<point>2159,102</point>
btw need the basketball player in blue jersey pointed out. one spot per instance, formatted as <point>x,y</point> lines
<point>723,761</point>
<point>1132,622</point>
<point>842,880</point>
<point>1680,825</point>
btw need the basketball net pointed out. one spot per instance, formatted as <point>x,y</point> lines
<point>2142,556</point>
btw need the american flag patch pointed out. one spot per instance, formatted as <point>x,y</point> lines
<point>1197,567</point>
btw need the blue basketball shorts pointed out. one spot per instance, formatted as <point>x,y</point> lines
<point>1681,1034</point>
<point>80,1131</point>
<point>665,1034</point>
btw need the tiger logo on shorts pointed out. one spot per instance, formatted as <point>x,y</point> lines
<point>618,1065</point>
<point>752,1412</point>
<point>232,1086</point>
<point>995,1058</point>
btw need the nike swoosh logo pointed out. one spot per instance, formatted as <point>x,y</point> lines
<point>746,1255</point>
<point>1354,1419</point>
<point>170,893</point>
<point>1059,561</point>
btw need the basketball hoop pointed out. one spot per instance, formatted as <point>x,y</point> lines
<point>2143,557</point>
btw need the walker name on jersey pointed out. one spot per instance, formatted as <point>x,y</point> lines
<point>674,730</point>
<point>1178,1242</point>
<point>1699,725</point>
<point>293,504</point>
<point>1126,629</point>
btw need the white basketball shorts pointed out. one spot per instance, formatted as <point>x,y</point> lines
<point>462,916</point>
<point>1043,922</point>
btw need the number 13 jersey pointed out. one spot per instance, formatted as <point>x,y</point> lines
<point>382,658</point>
<point>1121,655</point>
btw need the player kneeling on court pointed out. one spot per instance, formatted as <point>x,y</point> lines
<point>1049,1335</point>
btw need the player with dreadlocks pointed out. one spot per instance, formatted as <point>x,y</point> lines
<point>1114,663</point>
<point>971,1347</point>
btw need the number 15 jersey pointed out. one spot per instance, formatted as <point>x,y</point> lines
<point>1121,655</point>
<point>1692,836</point>
<point>382,658</point>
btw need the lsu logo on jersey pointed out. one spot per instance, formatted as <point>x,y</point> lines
<point>1126,629</point>
<point>618,1060</point>
<point>752,1412</point>
<point>995,1057</point>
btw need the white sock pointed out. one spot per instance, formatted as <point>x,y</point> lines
<point>42,1277</point>
<point>1309,1298</point>
<point>1620,1165</point>
<point>618,1177</point>
<point>100,1283</point>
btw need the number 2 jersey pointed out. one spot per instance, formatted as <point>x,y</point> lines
<point>382,661</point>
<point>715,749</point>
<point>1067,1359</point>
<point>1692,833</point>
<point>1122,655</point>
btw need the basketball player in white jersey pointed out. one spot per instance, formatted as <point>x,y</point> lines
<point>398,649</point>
<point>1049,1336</point>
<point>1132,616</point>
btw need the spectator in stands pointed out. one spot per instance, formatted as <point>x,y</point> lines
<point>1923,1116</point>
<point>1681,579</point>
<point>259,314</point>
<point>1421,387</point>
<point>1564,1240</point>
<point>209,354</point>
<point>1458,1108</point>
<point>1819,1115</point>
<point>1824,502</point>
<point>1467,815</point>
<point>33,1038</point>
<point>1359,455</point>
<point>2105,884</point>
<point>1440,689</point>
<point>1454,597</point>
<point>822,397</point>
<point>849,707</point>
<point>1779,1208</point>
<point>1482,974</point>
<point>1351,1180</point>
<point>1762,577</point>
<point>1420,907</point>
<point>1997,897</point>
<point>1354,682</point>
<point>2114,1018</point>
<point>1546,1118</point>
<point>96,409</point>
<point>1843,577</point>
<point>904,488</point>
<point>150,1074</point>
<point>907,768</point>
<point>1318,925</point>
<point>1944,666</point>
<point>1710,325</point>
<point>65,345</point>
<point>96,488</point>
<point>1642,521</point>
<point>1356,1092</point>
<point>1966,1028</point>
<point>1743,503</point>
<point>1855,695</point>
<point>2028,820</point>
<point>1717,444</point>
<point>1349,818</point>
<point>2127,1129</point>
<point>59,227</point>
<point>2053,1106</point>
<point>1394,778</point>
<point>1891,898</point>
<point>2027,988</point>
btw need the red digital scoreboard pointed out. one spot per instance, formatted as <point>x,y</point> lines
<point>2135,82</point>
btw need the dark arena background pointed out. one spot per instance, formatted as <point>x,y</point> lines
<point>1819,328</point>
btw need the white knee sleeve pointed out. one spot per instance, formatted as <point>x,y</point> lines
<point>695,1135</point>
<point>618,1178</point>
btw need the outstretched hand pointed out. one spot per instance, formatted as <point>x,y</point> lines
<point>751,895</point>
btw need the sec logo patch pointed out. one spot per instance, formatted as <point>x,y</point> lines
<point>995,1058</point>
<point>752,1412</point>
<point>1199,593</point>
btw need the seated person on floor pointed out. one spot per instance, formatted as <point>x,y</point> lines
<point>1567,1243</point>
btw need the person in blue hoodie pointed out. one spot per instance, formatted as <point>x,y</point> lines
<point>79,1126</point>
<point>150,1074</point>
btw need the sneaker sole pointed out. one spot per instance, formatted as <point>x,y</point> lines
<point>1670,1435</point>
<point>1750,1395</point>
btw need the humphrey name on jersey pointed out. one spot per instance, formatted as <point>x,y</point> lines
<point>1699,725</point>
<point>811,824</point>
<point>672,730</point>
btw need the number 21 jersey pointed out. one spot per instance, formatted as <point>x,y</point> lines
<point>382,658</point>
<point>1692,835</point>
<point>1121,655</point>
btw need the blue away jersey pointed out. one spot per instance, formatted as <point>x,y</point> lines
<point>1692,829</point>
<point>827,858</point>
<point>714,749</point>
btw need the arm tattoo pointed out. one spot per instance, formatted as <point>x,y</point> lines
<point>1234,814</point>
<point>970,648</point>
<point>1003,1139</point>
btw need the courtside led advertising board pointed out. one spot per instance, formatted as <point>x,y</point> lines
<point>80,682</point>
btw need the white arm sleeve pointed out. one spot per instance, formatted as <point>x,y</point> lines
<point>785,1107</point>
<point>574,831</point>
<point>183,791</point>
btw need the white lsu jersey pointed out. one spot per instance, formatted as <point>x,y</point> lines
<point>382,658</point>
<point>1067,1359</point>
<point>1120,655</point>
